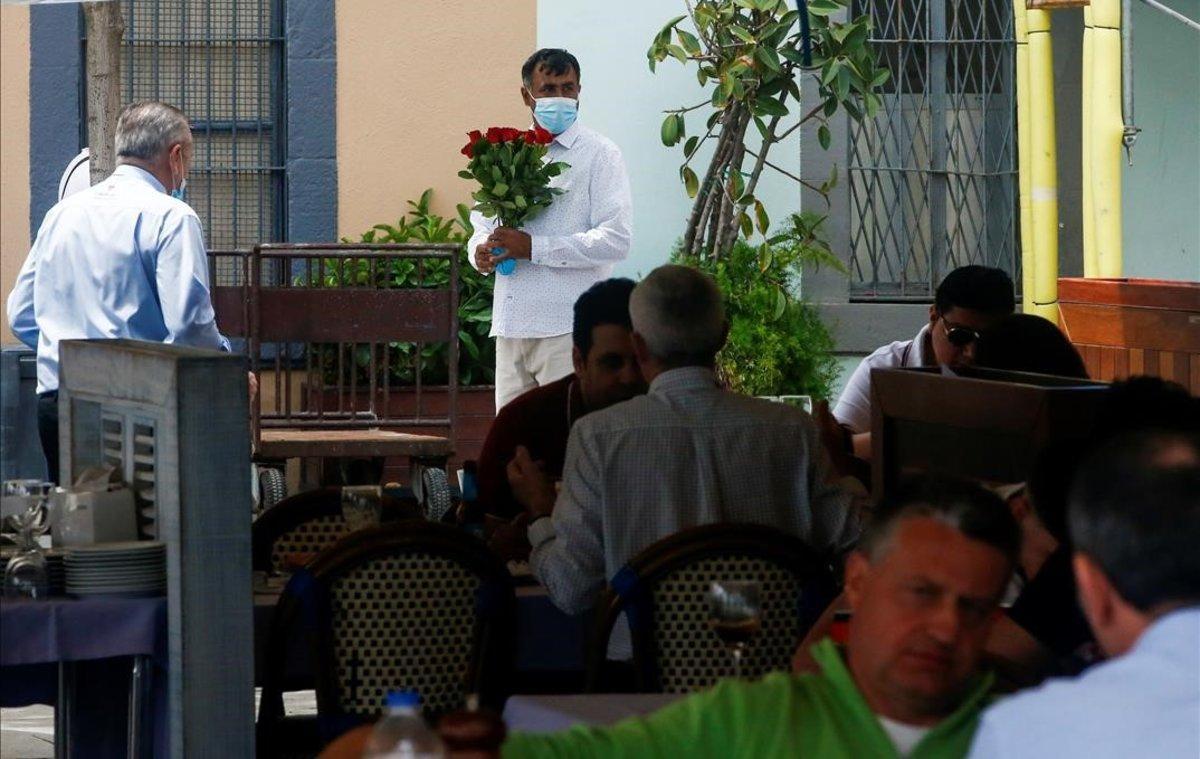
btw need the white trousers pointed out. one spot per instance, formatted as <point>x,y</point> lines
<point>523,363</point>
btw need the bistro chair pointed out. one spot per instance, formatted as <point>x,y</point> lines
<point>663,593</point>
<point>308,523</point>
<point>411,605</point>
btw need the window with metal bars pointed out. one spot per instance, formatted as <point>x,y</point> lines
<point>933,177</point>
<point>221,63</point>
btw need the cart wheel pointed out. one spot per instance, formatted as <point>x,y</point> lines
<point>435,493</point>
<point>272,487</point>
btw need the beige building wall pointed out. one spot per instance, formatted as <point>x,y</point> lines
<point>14,152</point>
<point>413,78</point>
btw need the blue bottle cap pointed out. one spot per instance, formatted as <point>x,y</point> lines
<point>403,699</point>
<point>507,266</point>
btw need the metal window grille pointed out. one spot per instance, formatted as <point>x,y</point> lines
<point>221,63</point>
<point>933,177</point>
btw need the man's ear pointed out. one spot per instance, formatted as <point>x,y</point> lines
<point>525,96</point>
<point>1096,593</point>
<point>640,350</point>
<point>933,314</point>
<point>577,360</point>
<point>858,567</point>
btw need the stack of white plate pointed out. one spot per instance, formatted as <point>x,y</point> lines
<point>134,568</point>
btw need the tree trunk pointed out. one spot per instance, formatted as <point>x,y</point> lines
<point>104,30</point>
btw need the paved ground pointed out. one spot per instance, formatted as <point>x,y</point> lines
<point>28,732</point>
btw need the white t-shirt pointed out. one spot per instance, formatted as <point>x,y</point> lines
<point>904,737</point>
<point>853,408</point>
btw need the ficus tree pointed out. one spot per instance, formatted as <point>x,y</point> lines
<point>753,56</point>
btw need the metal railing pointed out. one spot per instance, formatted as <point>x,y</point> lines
<point>933,177</point>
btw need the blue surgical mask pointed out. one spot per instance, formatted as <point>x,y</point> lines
<point>179,192</point>
<point>556,115</point>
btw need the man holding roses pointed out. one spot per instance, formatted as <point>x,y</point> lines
<point>565,249</point>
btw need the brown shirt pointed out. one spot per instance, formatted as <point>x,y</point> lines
<point>541,421</point>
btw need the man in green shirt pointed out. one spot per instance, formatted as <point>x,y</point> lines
<point>924,586</point>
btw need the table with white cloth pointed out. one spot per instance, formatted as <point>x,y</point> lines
<point>549,714</point>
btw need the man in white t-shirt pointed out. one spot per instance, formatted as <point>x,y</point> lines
<point>969,300</point>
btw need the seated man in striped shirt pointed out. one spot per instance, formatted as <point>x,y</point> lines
<point>688,453</point>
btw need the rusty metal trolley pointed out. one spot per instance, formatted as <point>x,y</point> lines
<point>346,340</point>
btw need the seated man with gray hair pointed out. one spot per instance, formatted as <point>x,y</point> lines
<point>124,258</point>
<point>686,454</point>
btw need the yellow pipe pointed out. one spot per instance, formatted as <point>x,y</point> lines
<point>1090,264</point>
<point>1024,158</point>
<point>1104,125</point>
<point>1043,190</point>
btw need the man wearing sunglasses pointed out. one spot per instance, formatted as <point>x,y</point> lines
<point>969,300</point>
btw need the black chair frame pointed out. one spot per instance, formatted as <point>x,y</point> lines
<point>491,663</point>
<point>630,590</point>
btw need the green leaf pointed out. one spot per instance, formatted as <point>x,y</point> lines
<point>760,213</point>
<point>830,183</point>
<point>521,202</point>
<point>688,41</point>
<point>767,57</point>
<point>737,184</point>
<point>689,147</point>
<point>830,71</point>
<point>499,189</point>
<point>761,126</point>
<point>747,226</point>
<point>742,34</point>
<point>781,302</point>
<point>770,107</point>
<point>881,76</point>
<point>766,255</point>
<point>466,174</point>
<point>677,53</point>
<point>497,174</point>
<point>823,7</point>
<point>690,182</point>
<point>672,129</point>
<point>823,136</point>
<point>842,86</point>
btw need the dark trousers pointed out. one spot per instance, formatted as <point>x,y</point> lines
<point>48,432</point>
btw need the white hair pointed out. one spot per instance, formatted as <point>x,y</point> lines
<point>148,129</point>
<point>678,312</point>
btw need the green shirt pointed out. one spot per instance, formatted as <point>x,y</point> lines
<point>781,715</point>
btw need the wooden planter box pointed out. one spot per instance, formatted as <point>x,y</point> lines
<point>1127,327</point>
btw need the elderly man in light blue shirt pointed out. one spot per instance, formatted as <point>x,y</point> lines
<point>1135,523</point>
<point>122,259</point>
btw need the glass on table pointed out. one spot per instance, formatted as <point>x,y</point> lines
<point>735,615</point>
<point>362,506</point>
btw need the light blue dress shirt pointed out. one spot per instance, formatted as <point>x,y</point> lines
<point>122,259</point>
<point>1145,703</point>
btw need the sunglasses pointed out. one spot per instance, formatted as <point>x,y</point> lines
<point>960,337</point>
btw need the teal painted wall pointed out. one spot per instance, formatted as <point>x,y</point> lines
<point>623,100</point>
<point>1161,194</point>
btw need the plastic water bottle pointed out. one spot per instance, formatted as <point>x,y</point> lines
<point>402,733</point>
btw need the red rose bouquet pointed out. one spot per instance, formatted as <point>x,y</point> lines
<point>514,179</point>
